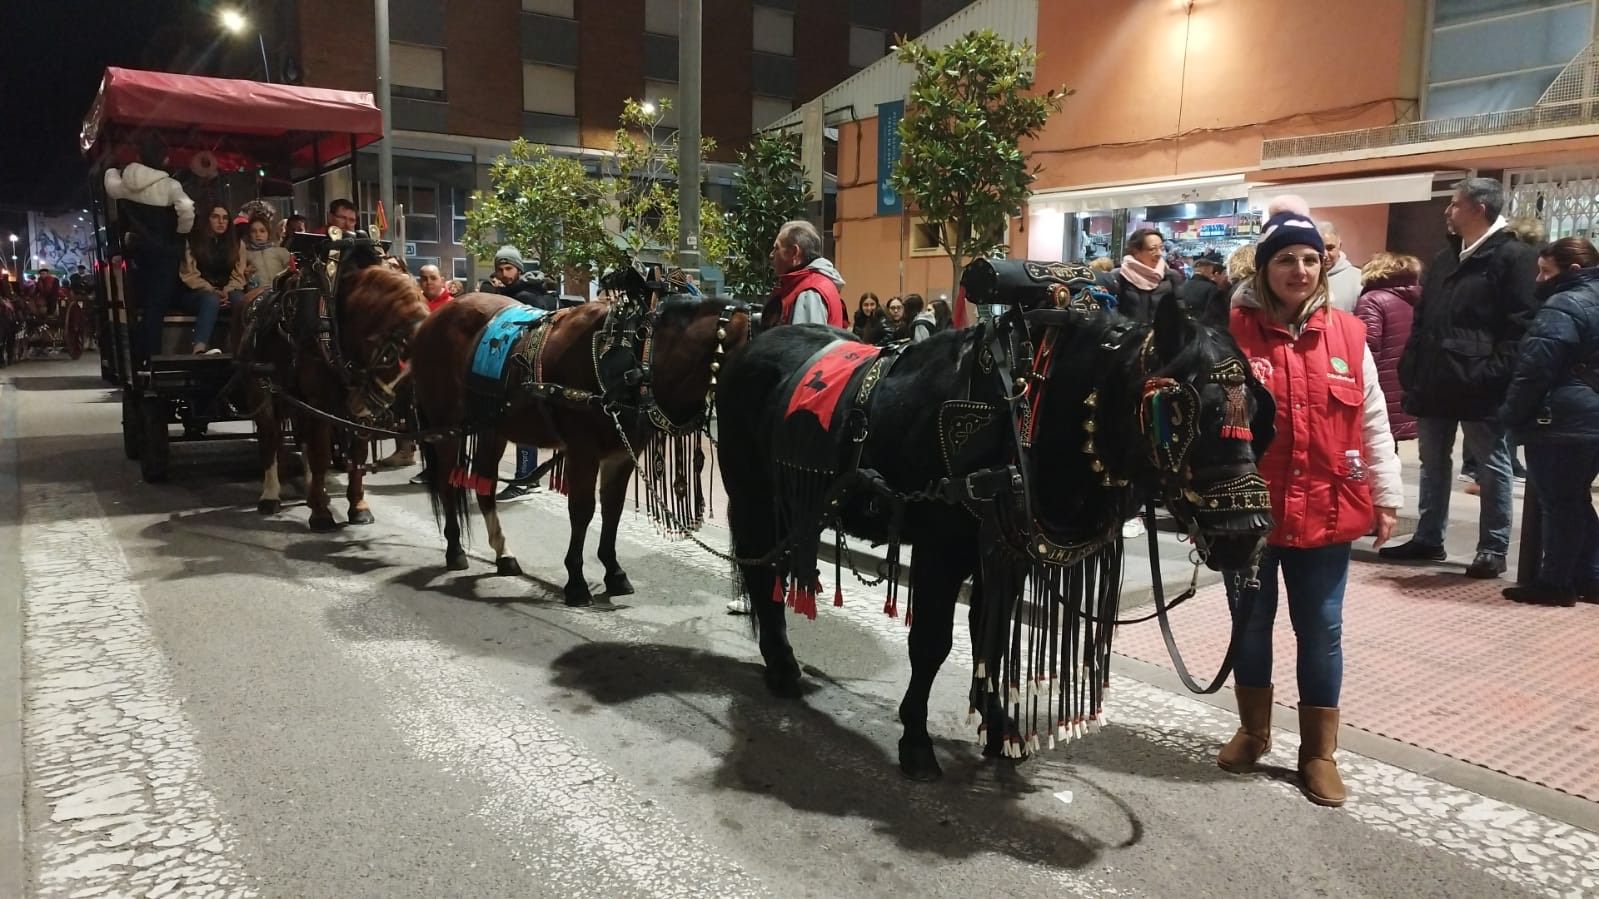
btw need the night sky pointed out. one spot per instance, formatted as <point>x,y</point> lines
<point>51,60</point>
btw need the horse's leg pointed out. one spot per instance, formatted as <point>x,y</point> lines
<point>581,471</point>
<point>491,446</point>
<point>355,490</point>
<point>269,443</point>
<point>449,502</point>
<point>318,452</point>
<point>614,474</point>
<point>749,517</point>
<point>937,570</point>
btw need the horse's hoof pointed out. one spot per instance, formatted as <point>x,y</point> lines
<point>618,585</point>
<point>323,522</point>
<point>578,595</point>
<point>361,516</point>
<point>269,506</point>
<point>783,679</point>
<point>507,566</point>
<point>917,761</point>
<point>455,561</point>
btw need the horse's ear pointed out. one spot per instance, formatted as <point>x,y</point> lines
<point>1172,327</point>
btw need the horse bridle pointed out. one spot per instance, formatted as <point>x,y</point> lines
<point>1168,429</point>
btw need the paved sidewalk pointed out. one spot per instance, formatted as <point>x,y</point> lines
<point>1442,662</point>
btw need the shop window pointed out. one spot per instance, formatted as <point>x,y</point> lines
<point>1493,55</point>
<point>417,72</point>
<point>562,8</point>
<point>549,89</point>
<point>866,46</point>
<point>774,31</point>
<point>460,269</point>
<point>766,110</point>
<point>660,16</point>
<point>421,215</point>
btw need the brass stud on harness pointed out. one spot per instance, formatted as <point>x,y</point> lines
<point>721,333</point>
<point>716,366</point>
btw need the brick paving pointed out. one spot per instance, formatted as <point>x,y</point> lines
<point>1442,662</point>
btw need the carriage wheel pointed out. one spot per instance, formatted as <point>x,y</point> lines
<point>132,427</point>
<point>156,447</point>
<point>74,333</point>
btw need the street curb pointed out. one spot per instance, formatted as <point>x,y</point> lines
<point>1468,776</point>
<point>13,865</point>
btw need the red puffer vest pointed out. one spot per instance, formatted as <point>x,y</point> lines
<point>796,282</point>
<point>1319,386</point>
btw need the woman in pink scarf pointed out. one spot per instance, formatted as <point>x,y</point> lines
<point>1143,279</point>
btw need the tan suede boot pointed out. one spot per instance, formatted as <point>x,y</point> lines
<point>1254,735</point>
<point>1318,772</point>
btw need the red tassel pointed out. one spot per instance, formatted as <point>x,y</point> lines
<point>1232,432</point>
<point>908,614</point>
<point>793,596</point>
<point>777,591</point>
<point>891,608</point>
<point>838,597</point>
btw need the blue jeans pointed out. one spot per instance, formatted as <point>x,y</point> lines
<point>205,307</point>
<point>1563,474</point>
<point>1315,579</point>
<point>1485,443</point>
<point>527,460</point>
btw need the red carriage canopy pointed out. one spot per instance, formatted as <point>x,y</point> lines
<point>296,125</point>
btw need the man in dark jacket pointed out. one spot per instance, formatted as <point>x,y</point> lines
<point>1475,303</point>
<point>1206,294</point>
<point>521,281</point>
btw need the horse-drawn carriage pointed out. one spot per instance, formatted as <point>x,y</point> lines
<point>284,133</point>
<point>49,324</point>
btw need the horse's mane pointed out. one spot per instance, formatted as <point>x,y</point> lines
<point>377,284</point>
<point>680,309</point>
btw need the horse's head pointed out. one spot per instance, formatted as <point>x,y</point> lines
<point>381,310</point>
<point>1203,422</point>
<point>692,337</point>
<point>1168,408</point>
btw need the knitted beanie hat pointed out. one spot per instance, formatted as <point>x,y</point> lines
<point>510,254</point>
<point>1288,224</point>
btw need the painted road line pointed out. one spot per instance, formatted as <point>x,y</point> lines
<point>536,777</point>
<point>109,747</point>
<point>1510,842</point>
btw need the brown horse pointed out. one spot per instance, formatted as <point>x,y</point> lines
<point>680,357</point>
<point>380,311</point>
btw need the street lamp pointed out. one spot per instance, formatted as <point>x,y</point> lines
<point>13,251</point>
<point>235,23</point>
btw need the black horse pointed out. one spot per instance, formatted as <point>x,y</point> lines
<point>1015,471</point>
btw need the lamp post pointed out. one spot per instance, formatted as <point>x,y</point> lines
<point>235,23</point>
<point>14,253</point>
<point>688,149</point>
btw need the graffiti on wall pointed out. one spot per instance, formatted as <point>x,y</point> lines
<point>63,242</point>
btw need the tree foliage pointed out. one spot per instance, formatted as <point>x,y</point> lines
<point>644,185</point>
<point>961,165</point>
<point>771,190</point>
<point>545,205</point>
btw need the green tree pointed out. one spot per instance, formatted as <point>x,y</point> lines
<point>546,205</point>
<point>771,190</point>
<point>644,189</point>
<point>961,166</point>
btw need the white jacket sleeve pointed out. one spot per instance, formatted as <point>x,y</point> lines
<point>1382,462</point>
<point>183,205</point>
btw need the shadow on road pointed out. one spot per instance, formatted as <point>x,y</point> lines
<point>803,757</point>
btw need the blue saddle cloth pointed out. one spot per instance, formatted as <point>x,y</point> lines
<point>499,338</point>
<point>488,380</point>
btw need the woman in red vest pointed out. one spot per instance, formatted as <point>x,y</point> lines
<point>1333,477</point>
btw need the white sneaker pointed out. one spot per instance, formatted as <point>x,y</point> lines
<point>1133,527</point>
<point>739,606</point>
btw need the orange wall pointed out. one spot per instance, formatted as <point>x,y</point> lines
<point>1170,93</point>
<point>1364,229</point>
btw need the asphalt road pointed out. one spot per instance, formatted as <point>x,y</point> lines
<point>219,703</point>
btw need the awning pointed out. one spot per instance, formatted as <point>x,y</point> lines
<point>1151,193</point>
<point>1350,191</point>
<point>293,118</point>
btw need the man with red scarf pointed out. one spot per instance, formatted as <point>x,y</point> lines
<point>807,284</point>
